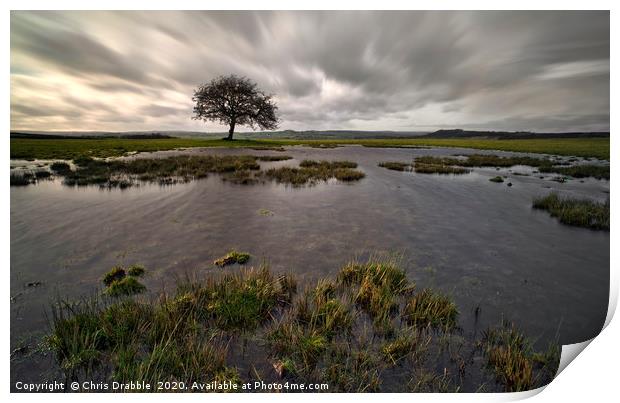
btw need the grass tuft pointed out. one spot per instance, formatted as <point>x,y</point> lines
<point>429,308</point>
<point>115,274</point>
<point>577,212</point>
<point>232,257</point>
<point>125,286</point>
<point>136,270</point>
<point>311,172</point>
<point>396,166</point>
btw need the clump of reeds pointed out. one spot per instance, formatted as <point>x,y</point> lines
<point>311,172</point>
<point>21,179</point>
<point>379,285</point>
<point>232,257</point>
<point>509,353</point>
<point>438,165</point>
<point>430,308</point>
<point>579,171</point>
<point>396,166</point>
<point>271,158</point>
<point>60,168</point>
<point>320,335</point>
<point>122,282</point>
<point>577,212</point>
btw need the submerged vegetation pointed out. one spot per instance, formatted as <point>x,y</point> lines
<point>311,172</point>
<point>232,257</point>
<point>123,282</point>
<point>396,166</point>
<point>437,165</point>
<point>238,169</point>
<point>511,357</point>
<point>577,212</point>
<point>430,164</point>
<point>318,335</point>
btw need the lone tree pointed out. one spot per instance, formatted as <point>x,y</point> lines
<point>235,101</point>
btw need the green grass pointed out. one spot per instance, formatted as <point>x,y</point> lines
<point>580,171</point>
<point>380,285</point>
<point>576,212</point>
<point>396,166</point>
<point>125,286</point>
<point>438,165</point>
<point>136,270</point>
<point>252,324</point>
<point>429,308</point>
<point>271,158</point>
<point>430,164</point>
<point>311,172</point>
<point>232,257</point>
<point>510,355</point>
<point>115,274</point>
<point>71,148</point>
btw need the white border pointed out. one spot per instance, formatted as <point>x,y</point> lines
<point>592,376</point>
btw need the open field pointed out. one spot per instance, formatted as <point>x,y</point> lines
<point>71,148</point>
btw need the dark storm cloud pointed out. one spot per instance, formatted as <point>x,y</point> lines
<point>364,70</point>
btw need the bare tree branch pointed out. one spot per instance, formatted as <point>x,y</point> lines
<point>233,100</point>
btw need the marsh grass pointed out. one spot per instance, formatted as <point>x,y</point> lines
<point>115,274</point>
<point>241,178</point>
<point>124,173</point>
<point>379,285</point>
<point>430,308</point>
<point>438,165</point>
<point>21,179</point>
<point>239,301</point>
<point>407,343</point>
<point>576,212</point>
<point>125,286</point>
<point>319,335</point>
<point>232,257</point>
<point>311,172</point>
<point>545,165</point>
<point>60,168</point>
<point>271,158</point>
<point>136,270</point>
<point>119,281</point>
<point>240,169</point>
<point>579,171</point>
<point>509,353</point>
<point>396,166</point>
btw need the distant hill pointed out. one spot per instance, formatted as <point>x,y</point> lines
<point>282,134</point>
<point>77,135</point>
<point>306,134</point>
<point>459,133</point>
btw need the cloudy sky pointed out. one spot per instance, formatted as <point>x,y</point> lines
<point>544,71</point>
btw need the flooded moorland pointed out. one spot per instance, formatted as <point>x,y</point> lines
<point>475,240</point>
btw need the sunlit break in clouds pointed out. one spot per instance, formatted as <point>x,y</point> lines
<point>405,71</point>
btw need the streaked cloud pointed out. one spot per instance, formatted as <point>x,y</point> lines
<point>545,70</point>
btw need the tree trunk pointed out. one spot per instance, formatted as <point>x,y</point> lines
<point>231,130</point>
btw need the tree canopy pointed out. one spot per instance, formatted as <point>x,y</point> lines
<point>234,100</point>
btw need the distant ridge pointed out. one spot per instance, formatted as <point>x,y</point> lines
<point>32,135</point>
<point>307,134</point>
<point>460,133</point>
